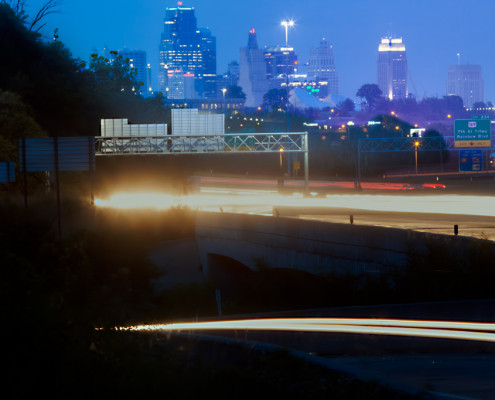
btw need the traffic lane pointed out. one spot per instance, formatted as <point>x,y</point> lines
<point>468,225</point>
<point>289,185</point>
<point>467,376</point>
<point>324,344</point>
<point>482,227</point>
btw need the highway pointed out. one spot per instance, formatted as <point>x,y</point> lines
<point>413,328</point>
<point>398,352</point>
<point>453,359</point>
<point>435,212</point>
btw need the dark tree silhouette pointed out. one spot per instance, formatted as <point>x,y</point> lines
<point>370,92</point>
<point>275,98</point>
<point>234,92</point>
<point>346,107</point>
<point>36,23</point>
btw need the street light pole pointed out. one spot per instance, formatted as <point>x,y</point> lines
<point>416,145</point>
<point>287,24</point>
<point>281,179</point>
<point>224,90</point>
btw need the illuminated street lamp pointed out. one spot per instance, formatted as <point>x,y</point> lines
<point>287,24</point>
<point>224,90</point>
<point>416,145</point>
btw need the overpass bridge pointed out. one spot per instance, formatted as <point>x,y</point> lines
<point>245,143</point>
<point>317,247</point>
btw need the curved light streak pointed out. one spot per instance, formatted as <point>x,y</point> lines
<point>474,331</point>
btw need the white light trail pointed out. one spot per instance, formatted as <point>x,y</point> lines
<point>212,199</point>
<point>473,331</point>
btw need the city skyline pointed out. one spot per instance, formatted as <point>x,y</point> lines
<point>434,32</point>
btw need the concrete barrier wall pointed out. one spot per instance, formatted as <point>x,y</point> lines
<point>312,246</point>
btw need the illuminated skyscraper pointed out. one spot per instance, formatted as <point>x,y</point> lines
<point>185,47</point>
<point>465,81</point>
<point>280,62</point>
<point>321,66</point>
<point>252,72</point>
<point>392,68</point>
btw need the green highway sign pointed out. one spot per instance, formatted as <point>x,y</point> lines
<point>472,132</point>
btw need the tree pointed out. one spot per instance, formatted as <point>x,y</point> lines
<point>47,8</point>
<point>454,105</point>
<point>479,104</point>
<point>113,76</point>
<point>235,92</point>
<point>346,107</point>
<point>371,92</point>
<point>433,138</point>
<point>275,98</point>
<point>62,94</point>
<point>15,122</point>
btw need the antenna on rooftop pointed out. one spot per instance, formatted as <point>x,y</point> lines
<point>458,58</point>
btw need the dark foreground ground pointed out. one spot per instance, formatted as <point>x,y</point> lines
<point>62,295</point>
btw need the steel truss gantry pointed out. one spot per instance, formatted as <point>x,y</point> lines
<point>378,145</point>
<point>258,143</point>
<point>374,145</point>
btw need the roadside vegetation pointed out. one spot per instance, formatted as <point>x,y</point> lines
<point>62,296</point>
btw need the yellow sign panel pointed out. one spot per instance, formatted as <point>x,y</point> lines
<point>473,143</point>
<point>297,165</point>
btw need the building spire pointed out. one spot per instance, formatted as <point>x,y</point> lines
<point>252,42</point>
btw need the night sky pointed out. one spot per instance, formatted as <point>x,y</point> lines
<point>434,31</point>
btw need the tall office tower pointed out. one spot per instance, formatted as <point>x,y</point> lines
<point>321,66</point>
<point>180,85</point>
<point>137,61</point>
<point>280,62</point>
<point>185,47</point>
<point>209,49</point>
<point>465,81</point>
<point>233,73</point>
<point>252,72</point>
<point>392,68</point>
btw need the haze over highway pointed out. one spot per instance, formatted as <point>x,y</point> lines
<point>429,211</point>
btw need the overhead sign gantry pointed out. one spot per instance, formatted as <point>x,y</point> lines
<point>256,143</point>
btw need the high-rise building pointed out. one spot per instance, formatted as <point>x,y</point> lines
<point>137,61</point>
<point>180,85</point>
<point>465,81</point>
<point>252,72</point>
<point>209,50</point>
<point>321,66</point>
<point>280,62</point>
<point>392,68</point>
<point>185,47</point>
<point>233,73</point>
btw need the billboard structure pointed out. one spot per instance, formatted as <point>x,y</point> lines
<point>7,172</point>
<point>57,154</point>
